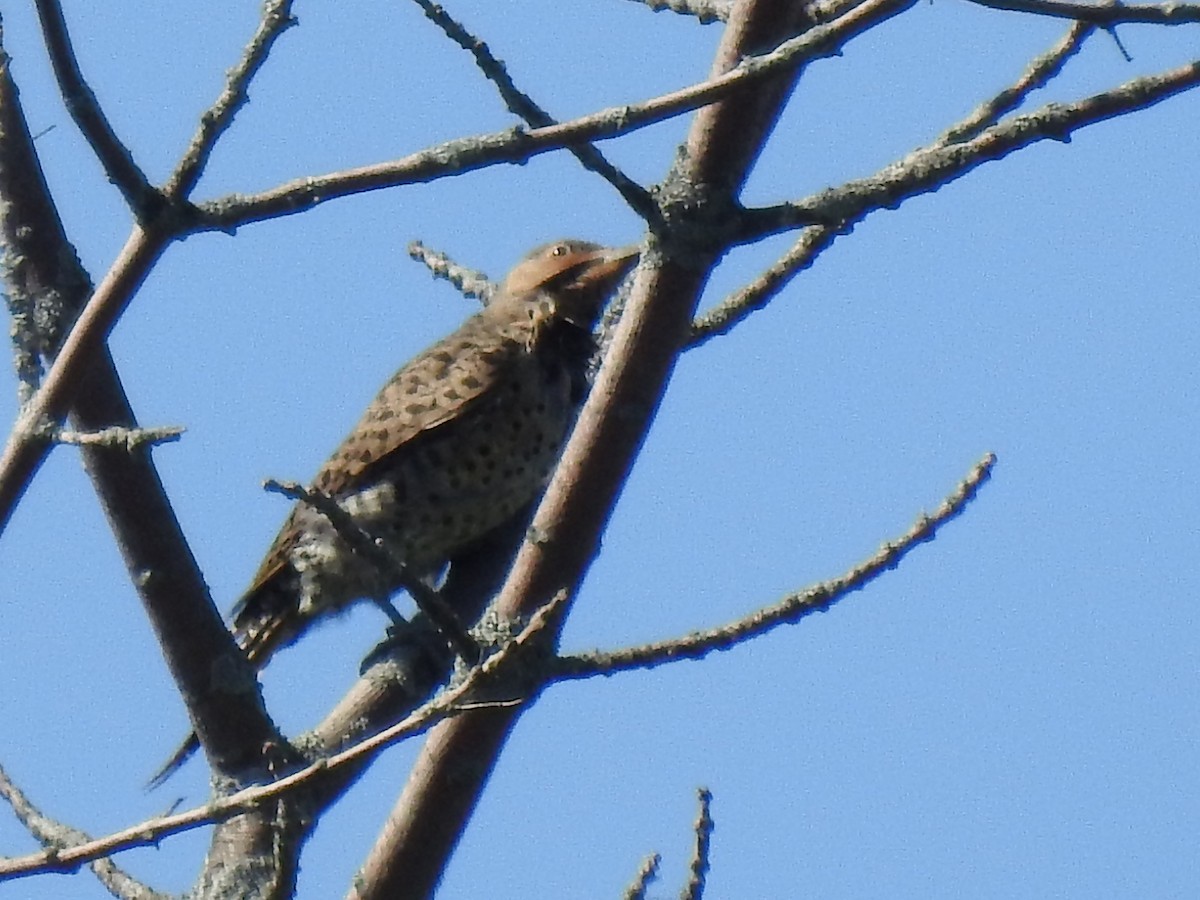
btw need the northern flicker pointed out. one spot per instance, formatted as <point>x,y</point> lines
<point>458,440</point>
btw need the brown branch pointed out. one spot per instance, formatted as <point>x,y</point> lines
<point>646,875</point>
<point>1102,14</point>
<point>43,278</point>
<point>469,282</point>
<point>508,659</point>
<point>81,102</point>
<point>275,20</point>
<point>519,145</point>
<point>41,263</point>
<point>699,864</point>
<point>922,171</point>
<point>458,755</point>
<point>26,448</point>
<point>55,836</point>
<point>521,104</point>
<point>148,833</point>
<point>792,608</point>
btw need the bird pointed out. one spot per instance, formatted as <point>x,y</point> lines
<point>460,439</point>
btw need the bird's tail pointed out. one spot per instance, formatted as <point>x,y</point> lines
<point>264,620</point>
<point>181,755</point>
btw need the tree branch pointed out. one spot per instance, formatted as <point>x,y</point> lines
<point>458,755</point>
<point>921,172</point>
<point>521,104</point>
<point>276,19</point>
<point>1103,14</point>
<point>55,836</point>
<point>519,145</point>
<point>81,103</point>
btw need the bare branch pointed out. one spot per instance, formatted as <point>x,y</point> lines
<point>1103,14</point>
<point>458,754</point>
<point>721,318</point>
<point>646,875</point>
<point>24,452</point>
<point>521,104</point>
<point>706,11</point>
<point>44,282</point>
<point>55,836</point>
<point>276,19</point>
<point>469,282</point>
<point>114,156</point>
<point>519,145</point>
<point>699,865</point>
<point>127,439</point>
<point>40,264</point>
<point>922,171</point>
<point>460,699</point>
<point>1036,75</point>
<point>790,609</point>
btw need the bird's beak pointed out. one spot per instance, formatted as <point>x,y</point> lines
<point>600,270</point>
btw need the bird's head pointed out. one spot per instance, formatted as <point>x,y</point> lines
<point>577,275</point>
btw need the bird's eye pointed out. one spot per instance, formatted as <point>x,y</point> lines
<point>559,250</point>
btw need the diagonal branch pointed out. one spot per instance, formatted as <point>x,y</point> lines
<point>792,608</point>
<point>1037,74</point>
<point>922,171</point>
<point>276,19</point>
<point>724,140</point>
<point>519,145</point>
<point>706,11</point>
<point>41,263</point>
<point>85,110</point>
<point>364,544</point>
<point>1103,14</point>
<point>55,836</point>
<point>521,104</point>
<point>149,833</point>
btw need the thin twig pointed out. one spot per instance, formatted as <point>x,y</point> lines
<point>276,19</point>
<point>470,283</point>
<point>705,11</point>
<point>758,293</point>
<point>1036,75</point>
<point>127,439</point>
<point>922,171</point>
<point>55,836</point>
<point>790,609</point>
<point>647,873</point>
<point>699,864</point>
<point>519,145</point>
<point>1103,14</point>
<point>521,104</point>
<point>114,156</point>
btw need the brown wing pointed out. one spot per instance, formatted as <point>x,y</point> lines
<point>438,385</point>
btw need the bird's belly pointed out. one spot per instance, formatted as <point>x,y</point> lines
<point>443,494</point>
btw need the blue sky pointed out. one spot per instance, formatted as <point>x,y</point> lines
<point>1011,713</point>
